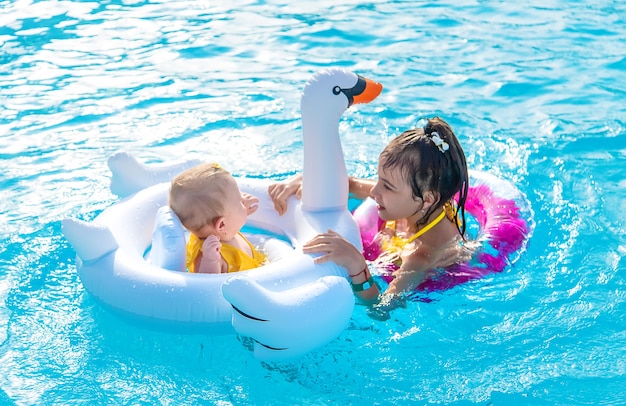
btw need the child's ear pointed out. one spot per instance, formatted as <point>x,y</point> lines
<point>430,199</point>
<point>219,224</point>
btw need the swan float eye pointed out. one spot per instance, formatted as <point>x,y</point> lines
<point>336,90</point>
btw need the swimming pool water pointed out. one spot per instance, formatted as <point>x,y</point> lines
<point>535,91</point>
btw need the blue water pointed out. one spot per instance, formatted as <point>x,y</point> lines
<point>535,90</point>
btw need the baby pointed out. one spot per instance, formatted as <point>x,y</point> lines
<point>208,203</point>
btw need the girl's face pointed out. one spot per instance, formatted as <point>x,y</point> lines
<point>394,196</point>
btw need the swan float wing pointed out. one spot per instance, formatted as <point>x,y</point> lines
<point>91,241</point>
<point>324,308</point>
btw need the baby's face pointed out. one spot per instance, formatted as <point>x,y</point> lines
<point>236,213</point>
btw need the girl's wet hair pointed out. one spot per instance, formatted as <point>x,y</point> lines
<point>435,165</point>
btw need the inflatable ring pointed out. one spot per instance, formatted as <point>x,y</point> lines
<point>288,307</point>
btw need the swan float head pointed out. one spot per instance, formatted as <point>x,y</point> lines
<point>325,97</point>
<point>339,89</point>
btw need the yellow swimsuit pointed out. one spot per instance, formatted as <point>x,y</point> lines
<point>236,259</point>
<point>395,244</point>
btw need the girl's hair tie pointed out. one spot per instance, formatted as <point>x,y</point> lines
<point>441,144</point>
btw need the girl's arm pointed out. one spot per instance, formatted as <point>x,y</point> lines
<point>413,271</point>
<point>410,275</point>
<point>334,247</point>
<point>360,188</point>
<point>250,202</point>
<point>280,192</point>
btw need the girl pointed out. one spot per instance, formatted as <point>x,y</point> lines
<point>419,174</point>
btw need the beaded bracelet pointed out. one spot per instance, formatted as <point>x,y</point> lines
<point>359,273</point>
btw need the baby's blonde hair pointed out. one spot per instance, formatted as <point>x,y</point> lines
<point>197,195</point>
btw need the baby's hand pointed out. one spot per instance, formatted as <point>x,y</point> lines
<point>211,248</point>
<point>251,203</point>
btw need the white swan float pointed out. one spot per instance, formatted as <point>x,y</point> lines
<point>288,307</point>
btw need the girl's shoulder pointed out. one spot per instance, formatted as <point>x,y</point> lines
<point>418,255</point>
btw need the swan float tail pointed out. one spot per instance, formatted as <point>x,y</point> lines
<point>129,175</point>
<point>289,323</point>
<point>91,241</point>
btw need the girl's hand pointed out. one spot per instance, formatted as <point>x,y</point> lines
<point>211,248</point>
<point>251,203</point>
<point>280,192</point>
<point>337,249</point>
<point>387,302</point>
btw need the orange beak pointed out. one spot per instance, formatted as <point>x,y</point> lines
<point>371,91</point>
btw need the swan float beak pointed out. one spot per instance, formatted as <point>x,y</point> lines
<point>363,92</point>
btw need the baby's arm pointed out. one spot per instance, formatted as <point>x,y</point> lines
<point>250,202</point>
<point>210,261</point>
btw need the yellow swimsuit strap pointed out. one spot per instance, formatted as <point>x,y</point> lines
<point>427,227</point>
